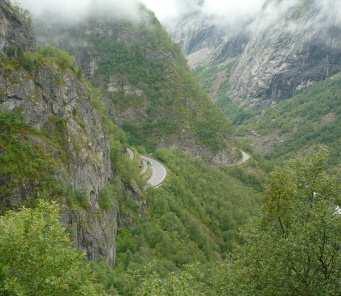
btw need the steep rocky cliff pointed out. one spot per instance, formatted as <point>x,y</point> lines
<point>283,49</point>
<point>213,45</point>
<point>292,45</point>
<point>14,29</point>
<point>53,142</point>
<point>209,39</point>
<point>199,36</point>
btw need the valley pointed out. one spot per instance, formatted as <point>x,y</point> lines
<point>196,154</point>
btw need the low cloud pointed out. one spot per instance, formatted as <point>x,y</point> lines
<point>74,10</point>
<point>165,9</point>
<point>232,9</point>
<point>298,14</point>
<point>224,11</point>
<point>330,11</point>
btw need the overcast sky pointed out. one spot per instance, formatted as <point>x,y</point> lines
<point>170,8</point>
<point>164,9</point>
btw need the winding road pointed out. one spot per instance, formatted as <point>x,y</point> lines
<point>338,211</point>
<point>159,172</point>
<point>245,157</point>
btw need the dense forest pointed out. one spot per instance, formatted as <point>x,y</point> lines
<point>291,248</point>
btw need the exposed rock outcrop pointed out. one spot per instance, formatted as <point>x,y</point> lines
<point>14,29</point>
<point>199,36</point>
<point>88,169</point>
<point>57,102</point>
<point>283,49</point>
<point>287,52</point>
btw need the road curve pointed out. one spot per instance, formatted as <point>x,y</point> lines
<point>338,211</point>
<point>245,158</point>
<point>159,172</point>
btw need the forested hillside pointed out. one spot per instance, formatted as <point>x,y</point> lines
<point>148,87</point>
<point>298,124</point>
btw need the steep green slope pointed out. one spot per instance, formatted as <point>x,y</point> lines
<point>214,78</point>
<point>193,218</point>
<point>148,88</point>
<point>312,117</point>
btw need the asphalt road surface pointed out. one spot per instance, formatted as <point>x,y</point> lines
<point>159,172</point>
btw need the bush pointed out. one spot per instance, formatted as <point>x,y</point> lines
<point>26,170</point>
<point>110,195</point>
<point>37,257</point>
<point>32,61</point>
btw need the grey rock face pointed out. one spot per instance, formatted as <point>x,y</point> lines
<point>285,48</point>
<point>287,53</point>
<point>212,39</point>
<point>88,169</point>
<point>49,95</point>
<point>197,31</point>
<point>233,47</point>
<point>14,30</point>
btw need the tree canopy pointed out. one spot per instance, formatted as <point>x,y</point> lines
<point>37,257</point>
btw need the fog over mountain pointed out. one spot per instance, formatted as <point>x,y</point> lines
<point>168,10</point>
<point>164,10</point>
<point>232,9</point>
<point>74,10</point>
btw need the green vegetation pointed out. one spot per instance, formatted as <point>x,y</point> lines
<point>311,117</point>
<point>180,244</point>
<point>192,218</point>
<point>292,249</point>
<point>26,170</point>
<point>295,248</point>
<point>128,170</point>
<point>203,232</point>
<point>153,92</point>
<point>215,80</point>
<point>37,257</point>
<point>32,61</point>
<point>175,284</point>
<point>174,99</point>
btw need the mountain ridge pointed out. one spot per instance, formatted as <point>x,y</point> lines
<point>146,84</point>
<point>285,48</point>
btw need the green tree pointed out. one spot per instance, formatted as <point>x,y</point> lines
<point>175,284</point>
<point>37,257</point>
<point>295,248</point>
